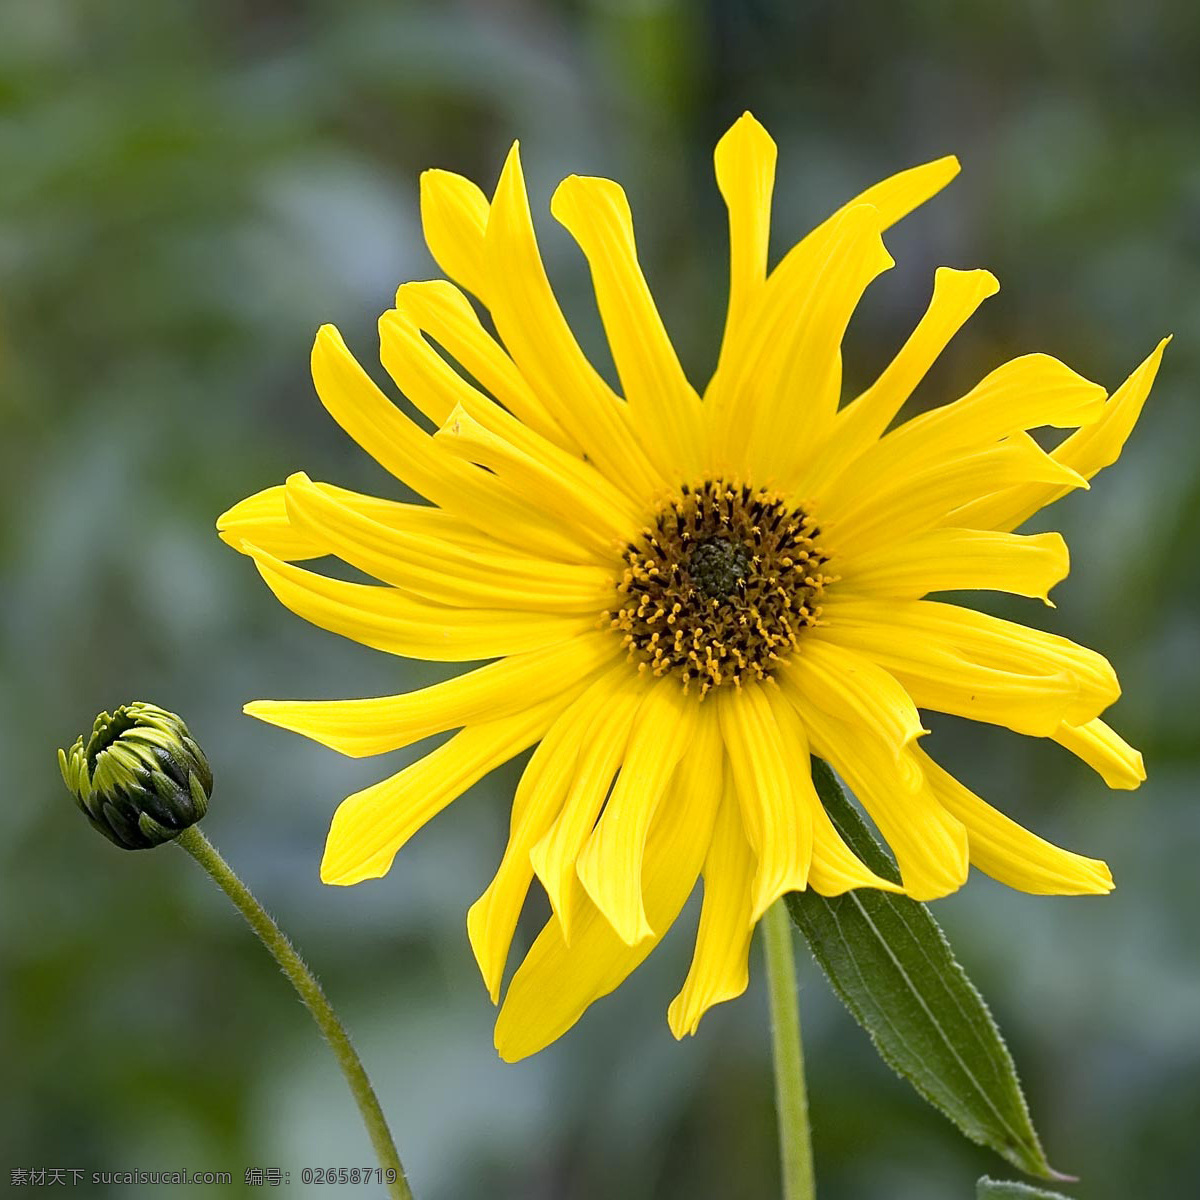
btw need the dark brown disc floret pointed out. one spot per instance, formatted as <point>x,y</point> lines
<point>720,586</point>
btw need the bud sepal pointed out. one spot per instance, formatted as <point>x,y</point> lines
<point>140,779</point>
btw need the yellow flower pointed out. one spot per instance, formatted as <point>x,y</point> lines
<point>687,595</point>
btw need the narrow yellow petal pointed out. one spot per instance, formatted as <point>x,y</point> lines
<point>897,196</point>
<point>745,167</point>
<point>556,983</point>
<point>1028,392</point>
<point>1105,751</point>
<point>748,153</point>
<point>941,679</point>
<point>720,967</point>
<point>1010,853</point>
<point>436,569</point>
<point>956,296</point>
<point>1087,451</point>
<point>492,919</point>
<point>610,867</point>
<point>836,869</point>
<point>1025,393</point>
<point>421,373</point>
<point>602,748</point>
<point>929,843</point>
<point>564,495</point>
<point>536,334</point>
<point>781,393</point>
<point>430,535</point>
<point>664,409</point>
<point>360,728</point>
<point>444,314</point>
<point>441,393</point>
<point>897,504</point>
<point>370,826</point>
<point>852,688</point>
<point>389,620</point>
<point>777,821</point>
<point>955,660</point>
<point>946,560</point>
<point>400,446</point>
<point>262,520</point>
<point>454,215</point>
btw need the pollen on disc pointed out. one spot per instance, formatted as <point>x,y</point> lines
<point>720,587</point>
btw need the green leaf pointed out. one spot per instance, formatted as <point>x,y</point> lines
<point>890,963</point>
<point>998,1189</point>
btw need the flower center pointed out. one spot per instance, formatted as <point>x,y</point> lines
<point>717,567</point>
<point>719,587</point>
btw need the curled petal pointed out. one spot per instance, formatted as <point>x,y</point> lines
<point>556,983</point>
<point>1010,853</point>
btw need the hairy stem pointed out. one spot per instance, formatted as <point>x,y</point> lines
<point>305,983</point>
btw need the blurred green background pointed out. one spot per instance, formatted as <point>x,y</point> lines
<point>186,191</point>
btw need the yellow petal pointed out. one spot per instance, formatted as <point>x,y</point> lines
<point>602,748</point>
<point>782,392</point>
<point>940,679</point>
<point>441,393</point>
<point>437,569</point>
<point>925,643</point>
<point>1087,451</point>
<point>719,969</point>
<point>1010,853</point>
<point>897,504</point>
<point>440,311</point>
<point>664,409</point>
<point>745,166</point>
<point>777,821</point>
<point>930,844</point>
<point>834,867</point>
<point>492,919</point>
<point>851,687</point>
<point>262,519</point>
<point>1025,393</point>
<point>387,619</point>
<point>893,198</point>
<point>421,373</point>
<point>370,827</point>
<point>956,296</point>
<point>555,984</point>
<point>1105,751</point>
<point>537,336</point>
<point>454,215</point>
<point>897,196</point>
<point>538,481</point>
<point>399,446</point>
<point>360,728</point>
<point>610,867</point>
<point>946,560</point>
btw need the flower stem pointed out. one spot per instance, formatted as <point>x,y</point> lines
<point>791,1097</point>
<point>305,983</point>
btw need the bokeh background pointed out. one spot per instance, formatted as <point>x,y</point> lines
<point>187,190</point>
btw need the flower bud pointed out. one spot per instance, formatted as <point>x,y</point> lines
<point>141,780</point>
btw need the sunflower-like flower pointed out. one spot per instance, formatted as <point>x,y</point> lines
<point>686,596</point>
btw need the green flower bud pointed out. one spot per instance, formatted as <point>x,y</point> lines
<point>141,780</point>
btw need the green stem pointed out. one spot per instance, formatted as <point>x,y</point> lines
<point>791,1097</point>
<point>303,980</point>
